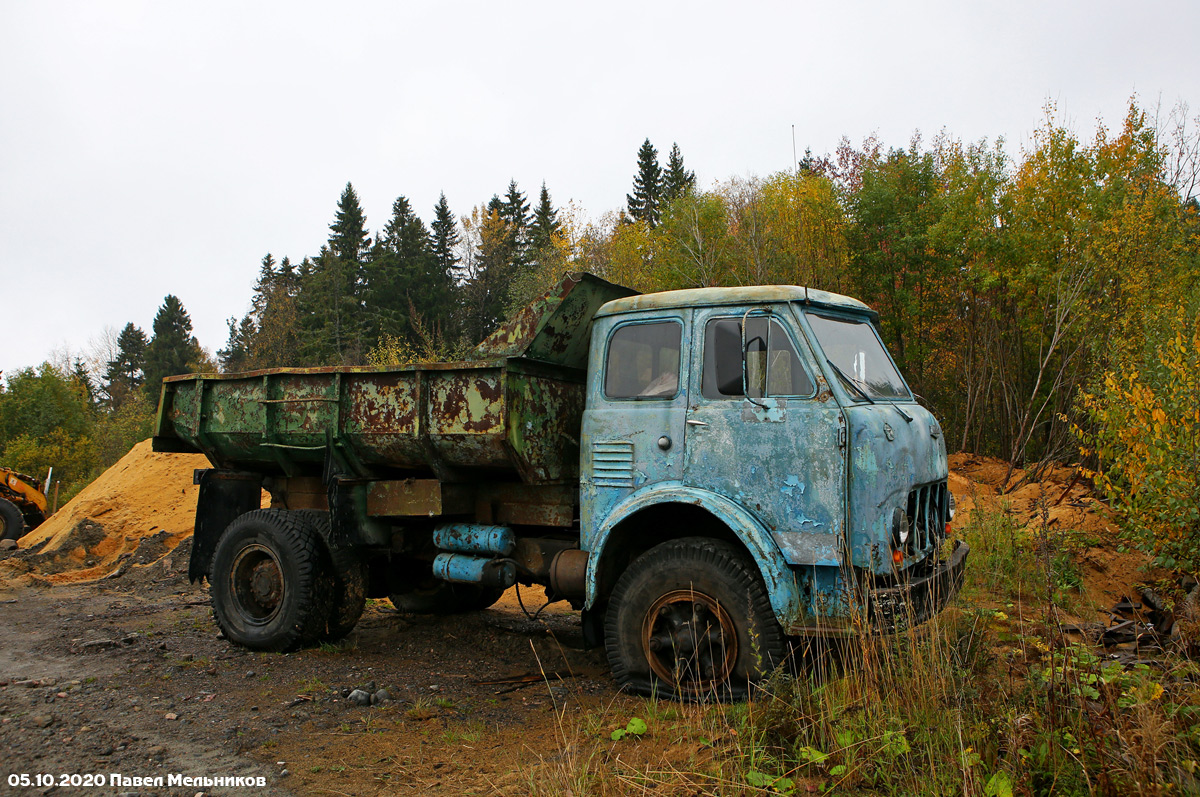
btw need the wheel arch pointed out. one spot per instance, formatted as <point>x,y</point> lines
<point>668,512</point>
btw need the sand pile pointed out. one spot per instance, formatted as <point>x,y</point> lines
<point>1062,497</point>
<point>144,497</point>
<point>1064,501</point>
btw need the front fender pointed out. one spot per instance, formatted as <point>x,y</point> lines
<point>778,577</point>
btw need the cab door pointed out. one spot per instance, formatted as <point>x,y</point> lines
<point>763,429</point>
<point>633,425</point>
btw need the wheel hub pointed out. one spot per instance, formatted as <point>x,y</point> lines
<point>266,583</point>
<point>690,641</point>
<point>257,583</point>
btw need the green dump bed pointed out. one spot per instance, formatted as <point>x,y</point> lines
<point>513,411</point>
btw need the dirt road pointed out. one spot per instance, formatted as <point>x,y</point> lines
<point>128,675</point>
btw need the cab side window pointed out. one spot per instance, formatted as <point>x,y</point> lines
<point>643,361</point>
<point>773,368</point>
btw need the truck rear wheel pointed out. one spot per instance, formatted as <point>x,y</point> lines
<point>690,619</point>
<point>446,598</point>
<point>12,522</point>
<point>267,588</point>
<point>347,577</point>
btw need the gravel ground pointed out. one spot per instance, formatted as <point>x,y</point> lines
<point>128,675</point>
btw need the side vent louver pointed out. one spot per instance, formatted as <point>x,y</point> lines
<point>612,464</point>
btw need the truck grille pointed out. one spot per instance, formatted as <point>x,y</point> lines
<point>612,464</point>
<point>928,512</point>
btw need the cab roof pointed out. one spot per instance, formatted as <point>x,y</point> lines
<point>756,294</point>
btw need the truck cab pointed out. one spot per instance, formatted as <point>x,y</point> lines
<point>773,421</point>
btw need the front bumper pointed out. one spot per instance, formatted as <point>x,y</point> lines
<point>883,609</point>
<point>916,600</point>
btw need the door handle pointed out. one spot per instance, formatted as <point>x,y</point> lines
<point>694,422</point>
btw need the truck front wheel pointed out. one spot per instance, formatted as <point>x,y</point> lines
<point>268,588</point>
<point>690,619</point>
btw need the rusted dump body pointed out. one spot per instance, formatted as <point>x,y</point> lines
<point>449,420</point>
<point>512,413</point>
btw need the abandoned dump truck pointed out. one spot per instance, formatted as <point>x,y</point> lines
<point>703,473</point>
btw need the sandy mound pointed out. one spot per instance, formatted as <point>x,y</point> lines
<point>145,496</point>
<point>1065,502</point>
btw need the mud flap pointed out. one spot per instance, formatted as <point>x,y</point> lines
<point>224,496</point>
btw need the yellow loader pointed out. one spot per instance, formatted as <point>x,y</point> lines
<point>22,504</point>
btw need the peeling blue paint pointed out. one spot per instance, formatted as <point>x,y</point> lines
<point>793,483</point>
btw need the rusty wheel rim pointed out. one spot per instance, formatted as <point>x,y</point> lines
<point>257,583</point>
<point>690,641</point>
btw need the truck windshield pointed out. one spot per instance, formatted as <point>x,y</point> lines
<point>858,357</point>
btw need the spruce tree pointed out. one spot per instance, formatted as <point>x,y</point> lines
<point>331,311</point>
<point>514,211</point>
<point>545,224</point>
<point>125,374</point>
<point>332,287</point>
<point>404,277</point>
<point>173,348</point>
<point>237,354</point>
<point>348,233</point>
<point>276,340</point>
<point>83,381</point>
<point>646,200</point>
<point>445,236</point>
<point>489,274</point>
<point>676,180</point>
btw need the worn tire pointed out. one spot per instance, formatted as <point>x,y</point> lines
<point>12,522</point>
<point>670,592</point>
<point>268,587</point>
<point>446,598</point>
<point>346,574</point>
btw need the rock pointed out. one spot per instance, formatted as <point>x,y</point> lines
<point>382,695</point>
<point>41,720</point>
<point>8,545</point>
<point>156,751</point>
<point>360,698</point>
<point>99,644</point>
<point>370,687</point>
<point>171,716</point>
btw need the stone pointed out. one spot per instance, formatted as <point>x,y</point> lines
<point>8,545</point>
<point>41,720</point>
<point>360,698</point>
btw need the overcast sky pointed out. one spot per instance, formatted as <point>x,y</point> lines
<point>149,148</point>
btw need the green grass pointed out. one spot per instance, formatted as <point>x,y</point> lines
<point>987,699</point>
